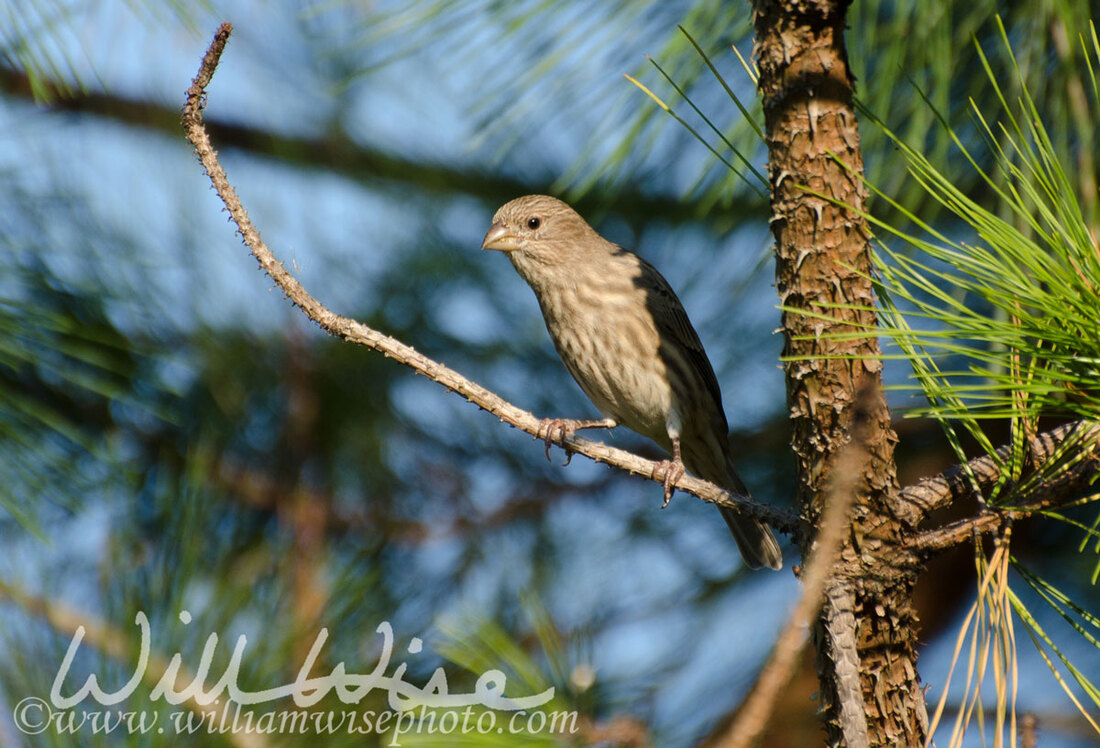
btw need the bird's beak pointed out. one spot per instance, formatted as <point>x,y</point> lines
<point>500,238</point>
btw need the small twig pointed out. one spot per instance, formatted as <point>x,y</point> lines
<point>356,332</point>
<point>195,93</point>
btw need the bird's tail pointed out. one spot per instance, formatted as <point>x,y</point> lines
<point>710,459</point>
<point>755,540</point>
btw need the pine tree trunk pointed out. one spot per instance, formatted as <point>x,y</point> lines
<point>866,634</point>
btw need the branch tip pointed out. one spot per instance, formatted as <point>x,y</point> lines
<point>192,110</point>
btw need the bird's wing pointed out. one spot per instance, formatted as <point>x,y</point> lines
<point>673,324</point>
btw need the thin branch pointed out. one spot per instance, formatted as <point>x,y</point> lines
<point>916,502</point>
<point>1053,493</point>
<point>951,535</point>
<point>356,332</point>
<point>932,493</point>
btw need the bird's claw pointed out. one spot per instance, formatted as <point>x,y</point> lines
<point>563,427</point>
<point>673,471</point>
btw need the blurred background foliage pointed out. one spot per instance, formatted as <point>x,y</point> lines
<point>176,437</point>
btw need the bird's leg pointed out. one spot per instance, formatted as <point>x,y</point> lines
<point>566,427</point>
<point>673,471</point>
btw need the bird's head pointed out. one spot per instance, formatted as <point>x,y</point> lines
<point>542,229</point>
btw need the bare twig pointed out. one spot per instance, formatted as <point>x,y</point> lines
<point>356,332</point>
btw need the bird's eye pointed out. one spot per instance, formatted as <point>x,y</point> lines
<point>534,222</point>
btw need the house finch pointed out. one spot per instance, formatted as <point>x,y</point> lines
<point>625,337</point>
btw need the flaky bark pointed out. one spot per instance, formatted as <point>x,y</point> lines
<point>865,635</point>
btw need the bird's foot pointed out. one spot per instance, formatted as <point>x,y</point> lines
<point>563,428</point>
<point>673,471</point>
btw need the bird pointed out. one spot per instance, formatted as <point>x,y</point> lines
<point>625,337</point>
